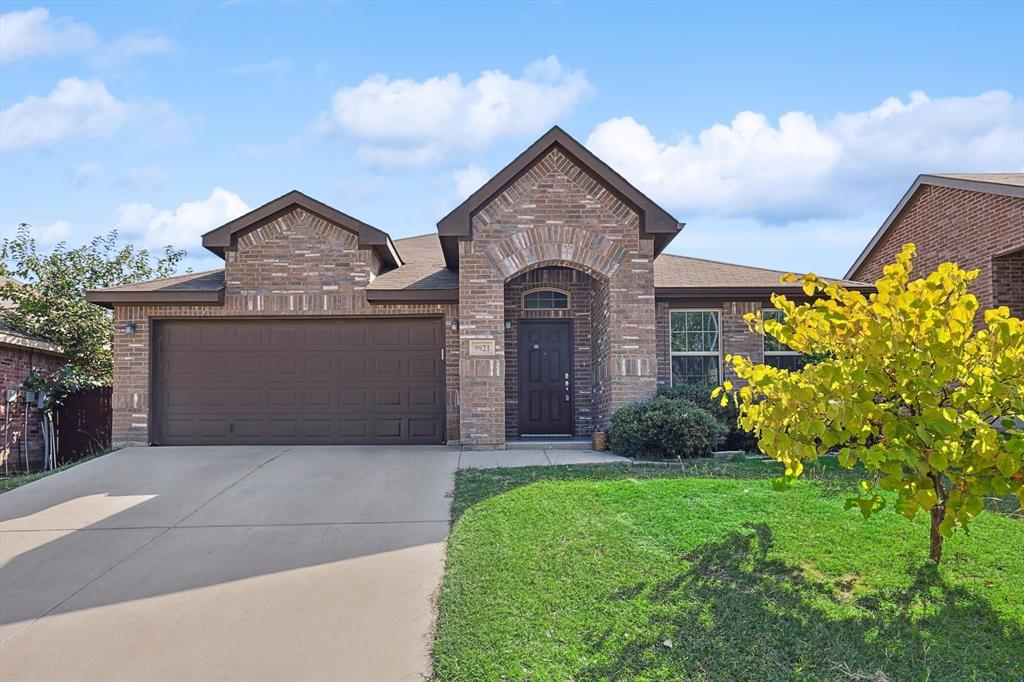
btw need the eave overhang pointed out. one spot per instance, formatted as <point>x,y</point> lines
<point>393,296</point>
<point>108,299</point>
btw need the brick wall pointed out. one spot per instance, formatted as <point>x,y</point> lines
<point>296,265</point>
<point>555,214</point>
<point>578,285</point>
<point>1008,282</point>
<point>948,224</point>
<point>15,366</point>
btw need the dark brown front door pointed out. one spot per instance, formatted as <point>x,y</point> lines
<point>219,382</point>
<point>545,377</point>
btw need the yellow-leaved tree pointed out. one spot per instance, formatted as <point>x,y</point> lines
<point>901,382</point>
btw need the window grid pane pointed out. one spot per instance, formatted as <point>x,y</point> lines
<point>771,344</point>
<point>790,361</point>
<point>694,331</point>
<point>545,300</point>
<point>695,369</point>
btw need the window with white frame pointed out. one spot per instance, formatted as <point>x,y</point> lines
<point>694,346</point>
<point>776,353</point>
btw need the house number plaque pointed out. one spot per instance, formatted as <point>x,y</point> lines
<point>481,347</point>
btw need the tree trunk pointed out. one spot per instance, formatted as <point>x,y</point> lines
<point>938,513</point>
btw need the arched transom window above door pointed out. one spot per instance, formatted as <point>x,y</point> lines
<point>545,299</point>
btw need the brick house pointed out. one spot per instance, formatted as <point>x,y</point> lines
<point>539,306</point>
<point>20,420</point>
<point>975,220</point>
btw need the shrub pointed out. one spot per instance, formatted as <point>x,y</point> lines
<point>665,427</point>
<point>700,395</point>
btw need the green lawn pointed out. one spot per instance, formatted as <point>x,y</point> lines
<point>651,573</point>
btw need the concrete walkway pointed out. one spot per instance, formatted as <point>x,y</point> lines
<point>233,563</point>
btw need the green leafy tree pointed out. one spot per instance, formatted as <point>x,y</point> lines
<point>46,295</point>
<point>904,385</point>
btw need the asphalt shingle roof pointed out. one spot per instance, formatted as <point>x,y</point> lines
<point>424,268</point>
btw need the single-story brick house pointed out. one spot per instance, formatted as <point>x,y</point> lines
<point>541,304</point>
<point>974,219</point>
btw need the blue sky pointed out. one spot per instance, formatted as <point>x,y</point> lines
<point>782,134</point>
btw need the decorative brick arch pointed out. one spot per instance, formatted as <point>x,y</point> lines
<point>569,247</point>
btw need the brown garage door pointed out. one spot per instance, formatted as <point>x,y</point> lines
<point>298,381</point>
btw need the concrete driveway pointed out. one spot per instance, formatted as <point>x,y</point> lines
<point>240,563</point>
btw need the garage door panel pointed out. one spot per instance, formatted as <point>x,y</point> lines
<point>354,397</point>
<point>354,335</point>
<point>299,381</point>
<point>425,366</point>
<point>390,429</point>
<point>315,397</point>
<point>423,428</point>
<point>425,397</point>
<point>318,366</point>
<point>353,429</point>
<point>389,335</point>
<point>387,397</point>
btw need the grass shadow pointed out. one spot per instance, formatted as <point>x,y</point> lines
<point>736,612</point>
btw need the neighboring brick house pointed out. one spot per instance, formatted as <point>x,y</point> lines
<point>541,305</point>
<point>975,220</point>
<point>21,421</point>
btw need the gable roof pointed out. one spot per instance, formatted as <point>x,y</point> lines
<point>687,276</point>
<point>1007,184</point>
<point>218,239</point>
<point>655,222</point>
<point>197,288</point>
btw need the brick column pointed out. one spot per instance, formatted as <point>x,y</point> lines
<point>481,377</point>
<point>737,339</point>
<point>632,351</point>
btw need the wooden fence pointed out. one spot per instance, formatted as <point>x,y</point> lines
<point>83,424</point>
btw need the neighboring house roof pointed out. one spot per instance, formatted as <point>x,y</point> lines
<point>687,276</point>
<point>1007,184</point>
<point>9,336</point>
<point>198,288</point>
<point>655,222</point>
<point>370,237</point>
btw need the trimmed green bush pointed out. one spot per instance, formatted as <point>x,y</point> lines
<point>665,427</point>
<point>700,395</point>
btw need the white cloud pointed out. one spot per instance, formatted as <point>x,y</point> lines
<point>826,246</point>
<point>154,228</point>
<point>48,235</point>
<point>30,33</point>
<point>149,177</point>
<point>127,48</point>
<point>75,108</point>
<point>85,173</point>
<point>801,168</point>
<point>469,179</point>
<point>404,122</point>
